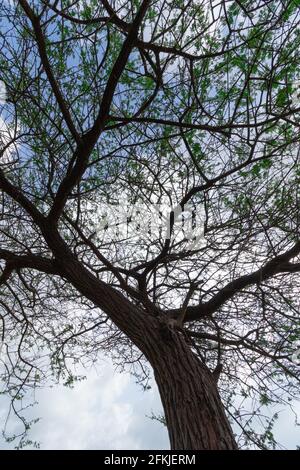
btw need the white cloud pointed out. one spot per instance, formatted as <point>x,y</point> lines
<point>285,430</point>
<point>109,411</point>
<point>106,411</point>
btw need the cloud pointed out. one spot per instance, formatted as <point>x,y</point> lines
<point>106,411</point>
<point>285,430</point>
<point>110,411</point>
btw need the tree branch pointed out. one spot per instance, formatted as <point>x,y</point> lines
<point>277,265</point>
<point>20,198</point>
<point>85,148</point>
<point>45,61</point>
<point>14,261</point>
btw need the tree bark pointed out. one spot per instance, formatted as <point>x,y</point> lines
<point>193,409</point>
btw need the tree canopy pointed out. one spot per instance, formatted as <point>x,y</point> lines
<point>149,106</point>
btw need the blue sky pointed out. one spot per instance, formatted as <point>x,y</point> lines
<point>109,411</point>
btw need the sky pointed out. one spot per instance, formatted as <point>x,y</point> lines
<point>110,411</point>
<point>106,411</point>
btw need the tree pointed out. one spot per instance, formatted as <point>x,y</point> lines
<point>188,105</point>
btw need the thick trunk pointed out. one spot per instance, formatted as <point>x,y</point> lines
<point>193,409</point>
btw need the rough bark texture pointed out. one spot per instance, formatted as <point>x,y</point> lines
<point>193,409</point>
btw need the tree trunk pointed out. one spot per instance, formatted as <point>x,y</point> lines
<point>193,409</point>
